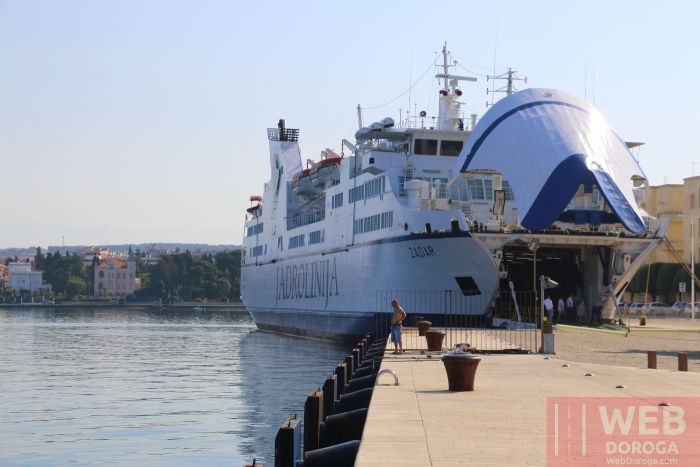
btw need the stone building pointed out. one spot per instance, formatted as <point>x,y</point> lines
<point>666,202</point>
<point>691,213</point>
<point>115,277</point>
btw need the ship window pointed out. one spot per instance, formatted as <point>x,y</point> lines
<point>257,251</point>
<point>384,220</point>
<point>296,241</point>
<point>316,236</point>
<point>488,189</point>
<point>468,286</point>
<point>508,190</point>
<point>337,201</point>
<point>476,189</point>
<point>596,199</point>
<point>426,147</point>
<point>441,185</point>
<point>255,229</point>
<point>356,194</point>
<point>450,148</point>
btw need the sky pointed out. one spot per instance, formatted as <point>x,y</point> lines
<point>138,122</point>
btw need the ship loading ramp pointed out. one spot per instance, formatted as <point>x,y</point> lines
<point>595,267</point>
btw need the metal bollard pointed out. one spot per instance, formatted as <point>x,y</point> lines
<point>682,361</point>
<point>547,338</point>
<point>651,359</point>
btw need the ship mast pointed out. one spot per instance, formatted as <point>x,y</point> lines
<point>448,116</point>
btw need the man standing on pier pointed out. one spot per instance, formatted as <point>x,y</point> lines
<point>397,317</point>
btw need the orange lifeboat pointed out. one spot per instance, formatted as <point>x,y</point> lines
<point>301,183</point>
<point>325,170</point>
<point>257,198</point>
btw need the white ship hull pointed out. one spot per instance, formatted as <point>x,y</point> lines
<point>334,295</point>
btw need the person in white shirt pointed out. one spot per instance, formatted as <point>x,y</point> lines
<point>570,312</point>
<point>549,308</point>
<point>561,316</point>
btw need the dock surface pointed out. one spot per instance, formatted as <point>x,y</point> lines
<point>503,421</point>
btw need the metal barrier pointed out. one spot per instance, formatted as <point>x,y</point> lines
<point>509,322</point>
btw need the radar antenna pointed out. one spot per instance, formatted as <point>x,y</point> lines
<point>509,76</point>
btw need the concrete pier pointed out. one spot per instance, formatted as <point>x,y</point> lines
<point>503,421</point>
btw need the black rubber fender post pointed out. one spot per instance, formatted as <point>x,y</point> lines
<point>288,443</point>
<point>341,372</point>
<point>330,394</point>
<point>313,416</point>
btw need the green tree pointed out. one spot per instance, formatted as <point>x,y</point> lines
<point>75,287</point>
<point>39,260</point>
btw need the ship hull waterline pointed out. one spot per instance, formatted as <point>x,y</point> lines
<point>341,294</point>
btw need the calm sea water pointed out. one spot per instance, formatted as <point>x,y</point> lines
<point>128,387</point>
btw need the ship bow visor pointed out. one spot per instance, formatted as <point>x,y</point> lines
<point>546,144</point>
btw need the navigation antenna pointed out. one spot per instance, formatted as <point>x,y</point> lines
<point>448,116</point>
<point>509,76</point>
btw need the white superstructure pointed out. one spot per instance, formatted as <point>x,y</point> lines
<point>405,211</point>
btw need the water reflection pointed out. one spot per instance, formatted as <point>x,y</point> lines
<point>147,387</point>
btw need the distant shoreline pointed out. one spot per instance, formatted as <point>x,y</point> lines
<point>134,305</point>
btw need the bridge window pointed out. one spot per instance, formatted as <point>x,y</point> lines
<point>425,147</point>
<point>450,148</point>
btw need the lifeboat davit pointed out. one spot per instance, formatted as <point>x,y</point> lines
<point>301,183</point>
<point>255,210</point>
<point>325,170</point>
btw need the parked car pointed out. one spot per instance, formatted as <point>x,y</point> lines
<point>680,306</point>
<point>688,311</point>
<point>636,308</point>
<point>657,309</point>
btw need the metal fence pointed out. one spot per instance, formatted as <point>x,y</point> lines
<point>508,322</point>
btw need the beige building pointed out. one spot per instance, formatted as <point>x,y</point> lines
<point>691,213</point>
<point>666,202</point>
<point>115,277</point>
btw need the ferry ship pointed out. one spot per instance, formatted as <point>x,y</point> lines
<point>451,205</point>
